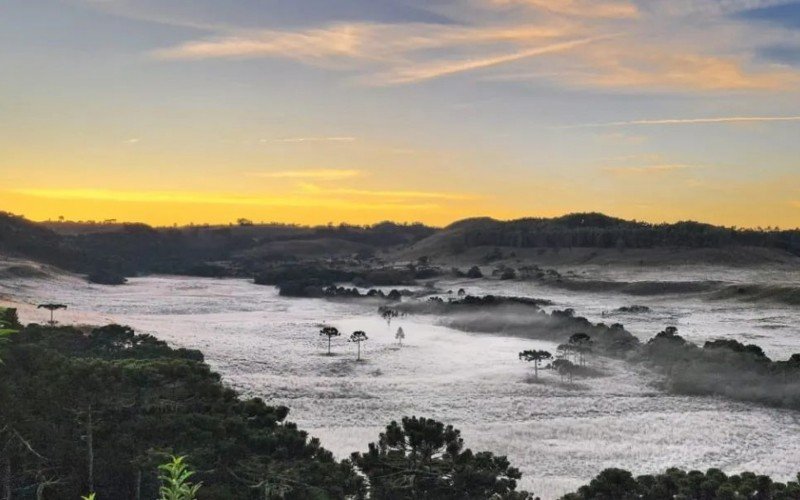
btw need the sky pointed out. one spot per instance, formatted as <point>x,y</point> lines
<point>316,111</point>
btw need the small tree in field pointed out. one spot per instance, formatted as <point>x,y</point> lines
<point>51,308</point>
<point>330,332</point>
<point>388,313</point>
<point>400,335</point>
<point>358,337</point>
<point>535,356</point>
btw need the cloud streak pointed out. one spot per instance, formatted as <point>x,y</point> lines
<point>418,73</point>
<point>319,174</point>
<point>649,169</point>
<point>579,8</point>
<point>429,195</point>
<point>689,121</point>
<point>314,139</point>
<point>213,198</point>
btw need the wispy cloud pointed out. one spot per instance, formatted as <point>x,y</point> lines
<point>689,121</point>
<point>360,41</point>
<point>214,198</point>
<point>420,72</point>
<point>580,8</point>
<point>390,194</point>
<point>320,174</point>
<point>133,140</point>
<point>649,169</point>
<point>390,54</point>
<point>312,139</point>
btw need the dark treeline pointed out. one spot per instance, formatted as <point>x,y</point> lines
<point>98,411</point>
<point>601,231</point>
<point>128,249</point>
<point>674,483</point>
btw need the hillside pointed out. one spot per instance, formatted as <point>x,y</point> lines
<point>124,249</point>
<point>579,238</point>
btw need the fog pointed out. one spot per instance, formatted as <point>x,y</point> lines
<point>560,435</point>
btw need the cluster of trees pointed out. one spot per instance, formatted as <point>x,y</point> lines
<point>570,357</point>
<point>357,337</point>
<point>316,280</point>
<point>101,411</point>
<point>674,483</point>
<point>723,367</point>
<point>601,231</point>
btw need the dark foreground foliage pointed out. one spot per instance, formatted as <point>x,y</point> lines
<point>619,484</point>
<point>98,411</point>
<point>421,459</point>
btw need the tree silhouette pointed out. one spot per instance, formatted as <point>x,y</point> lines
<point>400,335</point>
<point>358,337</point>
<point>581,344</point>
<point>421,458</point>
<point>566,351</point>
<point>565,368</point>
<point>535,356</point>
<point>330,332</point>
<point>51,308</point>
<point>388,313</point>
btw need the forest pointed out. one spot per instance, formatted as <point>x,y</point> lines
<point>98,411</point>
<point>102,409</point>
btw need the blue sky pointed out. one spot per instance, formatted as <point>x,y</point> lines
<point>360,110</point>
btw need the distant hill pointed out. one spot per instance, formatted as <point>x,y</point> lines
<point>598,231</point>
<point>128,249</point>
<point>125,249</point>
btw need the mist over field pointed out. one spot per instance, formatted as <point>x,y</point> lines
<point>559,434</point>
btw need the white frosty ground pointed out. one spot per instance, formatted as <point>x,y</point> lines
<point>559,436</point>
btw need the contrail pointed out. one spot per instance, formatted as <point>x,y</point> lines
<point>689,121</point>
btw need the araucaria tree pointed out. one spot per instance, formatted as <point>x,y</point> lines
<point>330,332</point>
<point>424,459</point>
<point>358,337</point>
<point>421,458</point>
<point>51,308</point>
<point>536,357</point>
<point>581,344</point>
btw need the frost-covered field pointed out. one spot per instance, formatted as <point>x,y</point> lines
<point>560,436</point>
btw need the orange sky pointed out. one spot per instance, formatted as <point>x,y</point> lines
<point>359,111</point>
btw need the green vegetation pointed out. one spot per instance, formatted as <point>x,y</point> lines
<point>99,411</point>
<point>175,484</point>
<point>117,414</point>
<point>619,484</point>
<point>422,459</point>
